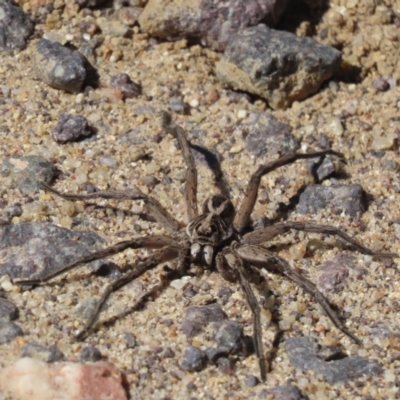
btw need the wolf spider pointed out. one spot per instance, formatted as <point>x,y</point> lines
<point>218,236</point>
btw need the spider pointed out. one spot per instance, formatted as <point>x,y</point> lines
<point>218,236</point>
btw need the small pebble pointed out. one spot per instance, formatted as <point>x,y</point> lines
<point>381,84</point>
<point>70,127</point>
<point>193,359</point>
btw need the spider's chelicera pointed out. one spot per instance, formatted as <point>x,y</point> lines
<point>217,237</point>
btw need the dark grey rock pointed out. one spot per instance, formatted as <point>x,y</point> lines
<point>338,198</point>
<point>59,67</point>
<point>323,168</point>
<point>30,250</point>
<point>90,353</point>
<point>193,359</point>
<point>229,335</point>
<point>70,127</point>
<point>8,310</point>
<point>276,65</point>
<point>214,354</point>
<point>283,392</point>
<point>212,22</point>
<point>303,354</point>
<point>125,85</point>
<point>28,171</point>
<point>267,136</point>
<point>15,26</point>
<point>198,317</point>
<point>9,331</point>
<point>46,354</point>
<point>334,272</point>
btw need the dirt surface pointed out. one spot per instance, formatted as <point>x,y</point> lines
<point>357,112</point>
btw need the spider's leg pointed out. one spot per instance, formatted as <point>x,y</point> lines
<point>250,195</point>
<point>224,269</point>
<point>159,212</point>
<point>191,172</point>
<point>167,253</point>
<point>183,257</point>
<point>236,264</point>
<point>262,257</point>
<point>267,234</point>
<point>152,242</point>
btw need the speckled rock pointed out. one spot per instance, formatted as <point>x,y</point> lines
<point>70,127</point>
<point>40,352</point>
<point>323,168</point>
<point>28,171</point>
<point>59,67</point>
<point>36,380</point>
<point>278,66</point>
<point>337,198</point>
<point>267,136</point>
<point>29,249</point>
<point>303,354</point>
<point>15,26</point>
<point>211,21</point>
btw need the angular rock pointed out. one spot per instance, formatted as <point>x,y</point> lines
<point>28,171</point>
<point>34,379</point>
<point>15,26</point>
<point>59,67</point>
<point>229,335</point>
<point>277,66</point>
<point>34,249</point>
<point>70,127</point>
<point>337,198</point>
<point>267,136</point>
<point>213,22</point>
<point>303,354</point>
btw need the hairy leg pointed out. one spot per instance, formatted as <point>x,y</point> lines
<point>267,234</point>
<point>250,195</point>
<point>261,257</point>
<point>159,212</point>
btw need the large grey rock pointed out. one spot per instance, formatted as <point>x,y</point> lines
<point>278,66</point>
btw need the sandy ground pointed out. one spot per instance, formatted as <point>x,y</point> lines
<point>359,120</point>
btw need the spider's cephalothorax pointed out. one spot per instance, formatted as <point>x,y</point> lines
<point>214,238</point>
<point>211,229</point>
